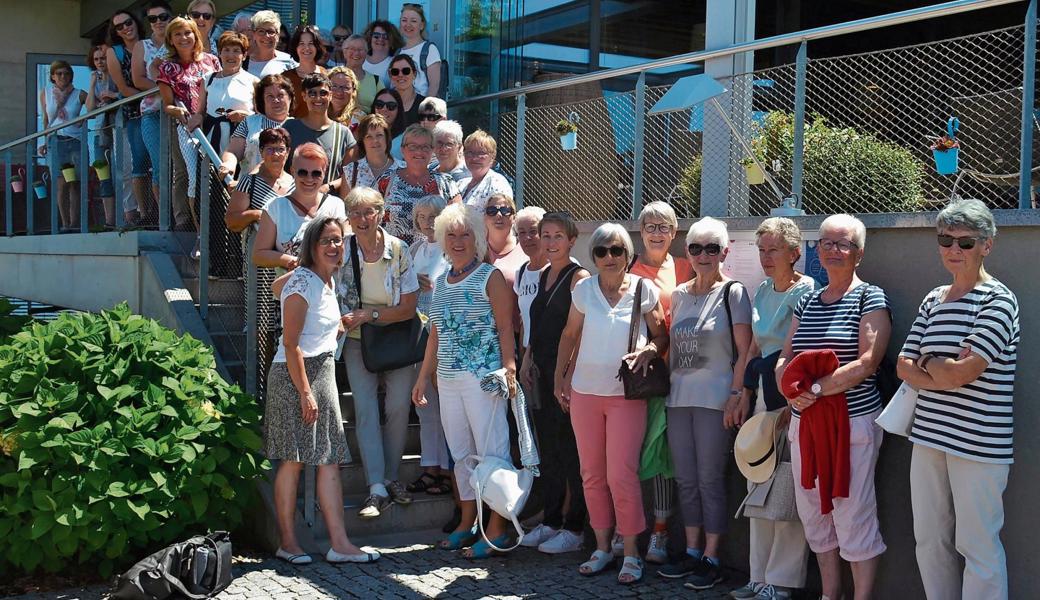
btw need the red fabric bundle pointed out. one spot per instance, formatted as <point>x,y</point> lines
<point>823,434</point>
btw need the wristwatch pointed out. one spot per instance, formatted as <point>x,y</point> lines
<point>816,388</point>
<point>375,315</point>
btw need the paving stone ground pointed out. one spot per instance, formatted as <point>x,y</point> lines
<point>413,567</point>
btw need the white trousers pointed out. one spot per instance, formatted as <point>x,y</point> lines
<point>470,417</point>
<point>958,512</point>
<point>431,432</point>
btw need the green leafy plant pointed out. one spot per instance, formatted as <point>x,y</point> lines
<point>10,323</point>
<point>117,436</point>
<point>885,177</point>
<point>565,126</point>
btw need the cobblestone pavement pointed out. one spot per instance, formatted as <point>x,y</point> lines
<point>416,569</point>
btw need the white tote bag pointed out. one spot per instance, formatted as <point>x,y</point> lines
<point>898,416</point>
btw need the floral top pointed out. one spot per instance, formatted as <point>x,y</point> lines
<point>188,80</point>
<point>467,336</point>
<point>400,277</point>
<point>401,196</point>
<point>365,177</point>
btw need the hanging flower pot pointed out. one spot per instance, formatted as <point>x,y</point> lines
<point>567,129</point>
<point>946,149</point>
<point>103,172</point>
<point>18,182</point>
<point>40,188</point>
<point>68,171</point>
<point>755,176</point>
<point>569,141</point>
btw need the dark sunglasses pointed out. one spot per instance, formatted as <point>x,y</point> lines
<point>491,211</point>
<point>317,93</point>
<point>305,173</point>
<point>340,38</point>
<point>201,15</point>
<point>379,35</point>
<point>709,249</point>
<point>402,71</point>
<point>164,17</point>
<point>429,117</point>
<point>122,25</point>
<point>964,243</point>
<point>389,105</point>
<point>615,251</point>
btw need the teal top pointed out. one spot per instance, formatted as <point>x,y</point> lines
<point>772,312</point>
<point>467,336</point>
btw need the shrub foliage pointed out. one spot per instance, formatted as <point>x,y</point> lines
<point>116,436</point>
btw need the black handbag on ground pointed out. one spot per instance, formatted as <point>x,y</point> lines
<point>391,346</point>
<point>198,568</point>
<point>656,381</point>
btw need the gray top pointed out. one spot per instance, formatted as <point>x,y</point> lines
<point>700,351</point>
<point>326,138</point>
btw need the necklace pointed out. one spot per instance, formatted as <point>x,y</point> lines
<point>472,265</point>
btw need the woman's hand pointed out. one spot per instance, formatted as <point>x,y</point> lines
<point>735,412</point>
<point>225,168</point>
<point>290,262</point>
<point>640,359</point>
<point>419,391</point>
<point>236,116</point>
<point>357,318</point>
<point>562,391</point>
<point>193,122</point>
<point>511,381</point>
<point>526,377</point>
<point>178,113</point>
<point>803,401</point>
<point>425,283</point>
<point>42,150</point>
<point>309,407</point>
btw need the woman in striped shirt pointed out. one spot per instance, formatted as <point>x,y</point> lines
<point>960,355</point>
<point>850,317</point>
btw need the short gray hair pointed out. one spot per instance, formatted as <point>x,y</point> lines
<point>364,196</point>
<point>662,211</point>
<point>460,215</point>
<point>532,212</point>
<point>783,228</point>
<point>435,104</point>
<point>266,17</point>
<point>707,226</point>
<point>844,221</point>
<point>449,128</point>
<point>611,232</point>
<point>437,203</point>
<point>968,214</point>
<point>312,234</point>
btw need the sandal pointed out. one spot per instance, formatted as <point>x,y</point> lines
<point>597,563</point>
<point>632,567</point>
<point>482,549</point>
<point>442,487</point>
<point>424,482</point>
<point>459,539</point>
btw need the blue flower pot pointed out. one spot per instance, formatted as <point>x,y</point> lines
<point>946,160</point>
<point>569,141</point>
<point>40,189</point>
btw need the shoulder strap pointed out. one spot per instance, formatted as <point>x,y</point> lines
<point>353,178</point>
<point>520,272</point>
<point>632,264</point>
<point>355,266</point>
<point>729,317</point>
<point>637,315</point>
<point>561,280</point>
<point>209,80</point>
<point>337,141</point>
<point>424,55</point>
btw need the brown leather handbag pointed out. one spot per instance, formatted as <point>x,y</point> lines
<point>656,381</point>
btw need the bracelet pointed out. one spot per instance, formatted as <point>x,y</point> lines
<point>735,392</point>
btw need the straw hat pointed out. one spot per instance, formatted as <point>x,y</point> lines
<point>755,447</point>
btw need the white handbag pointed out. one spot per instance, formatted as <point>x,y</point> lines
<point>898,416</point>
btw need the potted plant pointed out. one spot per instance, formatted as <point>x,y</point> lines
<point>755,175</point>
<point>18,182</point>
<point>101,166</point>
<point>946,149</point>
<point>68,171</point>
<point>567,129</point>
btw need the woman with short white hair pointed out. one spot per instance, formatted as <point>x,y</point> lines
<point>447,137</point>
<point>432,111</point>
<point>960,355</point>
<point>264,56</point>
<point>710,333</point>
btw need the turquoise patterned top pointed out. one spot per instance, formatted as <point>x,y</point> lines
<point>466,332</point>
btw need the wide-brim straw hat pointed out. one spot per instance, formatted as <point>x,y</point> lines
<point>755,448</point>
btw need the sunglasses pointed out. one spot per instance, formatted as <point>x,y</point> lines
<point>340,38</point>
<point>317,174</point>
<point>201,15</point>
<point>378,35</point>
<point>429,117</point>
<point>317,93</point>
<point>402,71</point>
<point>389,105</point>
<point>964,243</point>
<point>709,249</point>
<point>615,251</point>
<point>505,211</point>
<point>122,25</point>
<point>164,17</point>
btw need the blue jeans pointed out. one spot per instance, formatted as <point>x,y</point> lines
<point>138,153</point>
<point>150,131</point>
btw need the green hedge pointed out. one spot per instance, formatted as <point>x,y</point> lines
<point>117,436</point>
<point>845,171</point>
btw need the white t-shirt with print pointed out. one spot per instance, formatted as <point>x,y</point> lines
<point>321,324</point>
<point>526,288</point>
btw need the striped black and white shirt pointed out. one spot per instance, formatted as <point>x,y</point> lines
<point>835,326</point>
<point>973,421</point>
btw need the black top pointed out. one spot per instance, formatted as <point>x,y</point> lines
<point>411,116</point>
<point>549,311</point>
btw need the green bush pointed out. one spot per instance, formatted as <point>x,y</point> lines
<point>10,324</point>
<point>845,171</point>
<point>117,436</point>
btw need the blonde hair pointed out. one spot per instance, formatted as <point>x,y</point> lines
<point>348,110</point>
<point>176,25</point>
<point>482,139</point>
<point>460,215</point>
<point>659,210</point>
<point>364,196</point>
<point>506,197</point>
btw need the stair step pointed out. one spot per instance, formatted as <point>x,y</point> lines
<point>221,291</point>
<point>412,445</point>
<point>424,513</point>
<point>230,345</point>
<point>353,475</point>
<point>346,406</point>
<point>228,317</point>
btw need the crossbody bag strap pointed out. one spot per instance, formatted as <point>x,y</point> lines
<point>355,266</point>
<point>637,315</point>
<point>729,317</point>
<point>353,178</point>
<point>560,278</point>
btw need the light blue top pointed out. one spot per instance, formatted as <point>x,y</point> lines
<point>467,336</point>
<point>772,312</point>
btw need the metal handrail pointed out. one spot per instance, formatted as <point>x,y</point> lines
<point>867,24</point>
<point>80,119</point>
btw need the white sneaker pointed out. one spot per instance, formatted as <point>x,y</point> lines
<point>657,552</point>
<point>563,541</point>
<point>770,592</point>
<point>617,546</point>
<point>749,591</point>
<point>535,537</point>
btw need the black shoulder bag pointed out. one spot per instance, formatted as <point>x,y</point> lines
<point>391,346</point>
<point>655,382</point>
<point>197,568</point>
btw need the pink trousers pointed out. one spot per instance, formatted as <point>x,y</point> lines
<point>609,433</point>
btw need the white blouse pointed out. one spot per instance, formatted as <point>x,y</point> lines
<point>321,325</point>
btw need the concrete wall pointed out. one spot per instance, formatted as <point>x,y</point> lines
<point>902,257</point>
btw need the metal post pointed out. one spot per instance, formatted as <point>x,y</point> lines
<point>165,182</point>
<point>251,309</point>
<point>52,153</point>
<point>203,194</point>
<point>798,161</point>
<point>521,131</point>
<point>637,162</point>
<point>30,187</point>
<point>9,195</point>
<point>747,148</point>
<point>1025,178</point>
<point>117,168</point>
<point>84,180</point>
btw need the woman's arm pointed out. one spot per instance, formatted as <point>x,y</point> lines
<point>941,373</point>
<point>566,356</point>
<point>139,70</point>
<point>736,409</point>
<point>294,313</point>
<point>169,103</point>
<point>658,334</point>
<point>235,150</point>
<point>115,71</point>
<point>387,314</point>
<point>264,252</point>
<point>433,76</point>
<point>875,328</point>
<point>502,301</point>
<point>92,101</point>
<point>787,353</point>
<point>239,216</point>
<point>429,367</point>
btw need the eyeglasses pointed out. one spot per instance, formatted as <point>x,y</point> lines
<point>388,105</point>
<point>615,251</point>
<point>379,35</point>
<point>164,17</point>
<point>279,97</point>
<point>330,241</point>
<point>709,249</point>
<point>445,145</point>
<point>657,227</point>
<point>418,147</point>
<point>505,211</point>
<point>841,245</point>
<point>122,25</point>
<point>341,88</point>
<point>402,71</point>
<point>317,93</point>
<point>476,154</point>
<point>339,38</point>
<point>267,32</point>
<point>312,174</point>
<point>201,15</point>
<point>964,243</point>
<point>274,149</point>
<point>429,117</point>
<point>367,213</point>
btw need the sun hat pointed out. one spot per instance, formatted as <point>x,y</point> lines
<point>755,447</point>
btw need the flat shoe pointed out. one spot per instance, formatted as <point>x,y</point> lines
<point>631,566</point>
<point>364,557</point>
<point>458,540</point>
<point>597,563</point>
<point>294,559</point>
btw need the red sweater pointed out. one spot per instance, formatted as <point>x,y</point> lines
<point>823,434</point>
